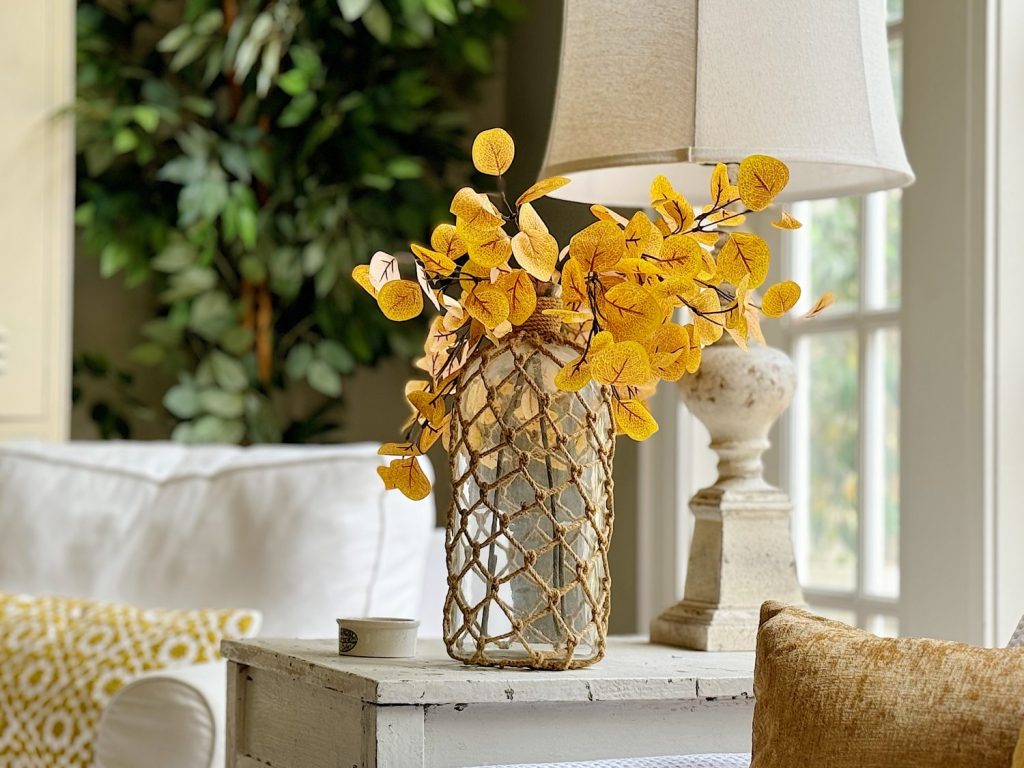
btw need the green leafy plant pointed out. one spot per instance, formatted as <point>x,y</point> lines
<point>242,156</point>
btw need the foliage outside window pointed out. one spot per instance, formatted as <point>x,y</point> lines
<point>242,156</point>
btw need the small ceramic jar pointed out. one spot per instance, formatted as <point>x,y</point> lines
<point>384,638</point>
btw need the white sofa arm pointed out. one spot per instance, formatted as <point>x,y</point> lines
<point>166,719</point>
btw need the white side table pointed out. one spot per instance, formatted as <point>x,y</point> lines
<point>297,704</point>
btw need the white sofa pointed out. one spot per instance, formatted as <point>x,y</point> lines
<point>302,534</point>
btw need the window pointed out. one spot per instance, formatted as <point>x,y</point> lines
<point>842,452</point>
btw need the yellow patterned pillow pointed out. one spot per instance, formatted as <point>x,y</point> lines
<point>61,659</point>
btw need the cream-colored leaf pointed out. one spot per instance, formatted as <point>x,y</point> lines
<point>431,294</point>
<point>383,269</point>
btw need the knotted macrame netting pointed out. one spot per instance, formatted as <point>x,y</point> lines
<point>531,513</point>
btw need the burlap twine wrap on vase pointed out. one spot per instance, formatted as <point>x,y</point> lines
<point>531,514</point>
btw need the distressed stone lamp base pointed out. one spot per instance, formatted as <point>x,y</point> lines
<point>742,552</point>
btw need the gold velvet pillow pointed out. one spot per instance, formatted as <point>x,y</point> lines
<point>1018,753</point>
<point>831,695</point>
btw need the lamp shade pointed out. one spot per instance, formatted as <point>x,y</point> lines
<point>673,86</point>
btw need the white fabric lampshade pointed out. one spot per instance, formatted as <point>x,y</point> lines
<point>672,86</point>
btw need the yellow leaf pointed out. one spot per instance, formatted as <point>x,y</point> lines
<point>780,298</point>
<point>633,419</point>
<point>693,355</point>
<point>574,285</point>
<point>445,239</point>
<point>642,237</point>
<point>361,274</point>
<point>570,316</point>
<point>681,256</point>
<point>631,312</point>
<point>521,295</point>
<point>754,326</point>
<point>428,405</point>
<point>622,364</point>
<point>537,252</point>
<point>493,151</point>
<point>407,476</point>
<point>471,269</point>
<point>669,350</point>
<point>434,262</point>
<point>676,289</point>
<point>598,247</point>
<point>604,213</point>
<point>429,436</point>
<point>672,206</point>
<point>397,449</point>
<point>486,303</point>
<point>744,253</point>
<point>707,316</point>
<point>640,270</point>
<point>541,188</point>
<point>739,334</point>
<point>529,219</point>
<point>720,187</point>
<point>826,300</point>
<point>474,211</point>
<point>760,179</point>
<point>492,252</point>
<point>601,340</point>
<point>400,300</point>
<point>709,239</point>
<point>573,376</point>
<point>786,221</point>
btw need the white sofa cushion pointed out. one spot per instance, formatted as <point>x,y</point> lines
<point>302,534</point>
<point>167,719</point>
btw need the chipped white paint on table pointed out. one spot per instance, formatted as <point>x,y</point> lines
<point>297,704</point>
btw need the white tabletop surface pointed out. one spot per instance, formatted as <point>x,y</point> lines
<point>632,670</point>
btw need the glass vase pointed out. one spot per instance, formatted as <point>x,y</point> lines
<point>531,514</point>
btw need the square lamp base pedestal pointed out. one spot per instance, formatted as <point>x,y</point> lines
<point>706,628</point>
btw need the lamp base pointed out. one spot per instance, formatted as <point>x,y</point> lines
<point>704,627</point>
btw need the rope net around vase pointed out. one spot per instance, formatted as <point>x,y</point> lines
<point>531,513</point>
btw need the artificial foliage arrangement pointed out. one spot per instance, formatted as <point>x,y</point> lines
<point>537,358</point>
<point>616,287</point>
<point>238,157</point>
